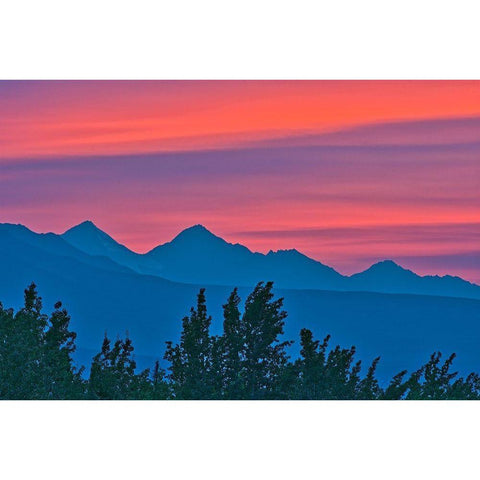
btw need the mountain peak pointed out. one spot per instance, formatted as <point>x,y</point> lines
<point>198,238</point>
<point>197,228</point>
<point>195,233</point>
<point>86,236</point>
<point>387,265</point>
<point>385,269</point>
<point>86,225</point>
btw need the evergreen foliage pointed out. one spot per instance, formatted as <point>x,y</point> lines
<point>113,377</point>
<point>36,353</point>
<point>247,361</point>
<point>191,372</point>
<point>264,355</point>
<point>231,348</point>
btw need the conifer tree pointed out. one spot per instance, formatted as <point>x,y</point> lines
<point>112,374</point>
<point>101,383</point>
<point>247,362</point>
<point>62,379</point>
<point>342,375</point>
<point>465,389</point>
<point>264,356</point>
<point>433,380</point>
<point>397,387</point>
<point>191,360</point>
<point>232,345</point>
<point>368,387</point>
<point>311,366</point>
<point>332,376</point>
<point>22,365</point>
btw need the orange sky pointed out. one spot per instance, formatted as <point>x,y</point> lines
<point>77,118</point>
<point>347,172</point>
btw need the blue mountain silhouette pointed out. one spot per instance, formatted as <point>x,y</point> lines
<point>389,277</point>
<point>102,295</point>
<point>198,256</point>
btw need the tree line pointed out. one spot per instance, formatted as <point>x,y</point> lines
<point>248,361</point>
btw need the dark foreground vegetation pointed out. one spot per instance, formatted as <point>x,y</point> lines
<point>248,361</point>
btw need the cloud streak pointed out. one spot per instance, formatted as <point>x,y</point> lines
<point>89,118</point>
<point>345,172</point>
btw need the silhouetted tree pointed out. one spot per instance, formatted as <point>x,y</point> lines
<point>465,389</point>
<point>311,367</point>
<point>248,361</point>
<point>36,353</point>
<point>112,375</point>
<point>342,374</point>
<point>368,387</point>
<point>264,356</point>
<point>397,388</point>
<point>231,345</point>
<point>432,381</point>
<point>62,379</point>
<point>333,375</point>
<point>22,365</point>
<point>191,360</point>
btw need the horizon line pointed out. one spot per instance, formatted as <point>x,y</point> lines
<point>380,261</point>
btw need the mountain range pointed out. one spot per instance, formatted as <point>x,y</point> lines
<point>198,256</point>
<point>108,288</point>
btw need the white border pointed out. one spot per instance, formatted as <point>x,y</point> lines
<point>249,39</point>
<point>242,40</point>
<point>235,440</point>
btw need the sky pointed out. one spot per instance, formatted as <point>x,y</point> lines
<point>347,172</point>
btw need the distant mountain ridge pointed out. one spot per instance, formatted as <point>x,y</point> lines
<point>198,256</point>
<point>389,277</point>
<point>88,238</point>
<point>103,296</point>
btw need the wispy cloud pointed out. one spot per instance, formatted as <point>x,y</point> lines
<point>90,118</point>
<point>343,172</point>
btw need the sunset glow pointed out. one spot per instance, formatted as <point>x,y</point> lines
<point>346,172</point>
